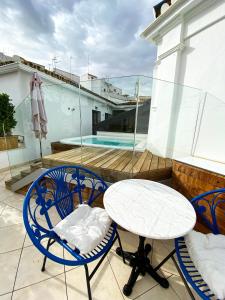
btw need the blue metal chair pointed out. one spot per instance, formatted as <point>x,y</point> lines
<point>207,206</point>
<point>52,197</point>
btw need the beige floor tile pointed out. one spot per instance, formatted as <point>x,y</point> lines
<point>16,201</point>
<point>103,284</point>
<point>4,193</point>
<point>169,244</point>
<point>160,251</point>
<point>51,289</point>
<point>2,207</point>
<point>6,297</point>
<point>10,216</point>
<point>12,237</point>
<point>129,241</point>
<point>122,272</point>
<point>159,293</point>
<point>3,177</point>
<point>8,267</point>
<point>178,287</point>
<point>30,266</point>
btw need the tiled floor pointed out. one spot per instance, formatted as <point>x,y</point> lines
<point>20,264</point>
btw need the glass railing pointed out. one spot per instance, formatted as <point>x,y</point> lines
<point>4,162</point>
<point>120,127</point>
<point>108,126</point>
<point>209,142</point>
<point>27,148</point>
<point>62,109</point>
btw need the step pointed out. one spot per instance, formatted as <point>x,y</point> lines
<point>25,172</point>
<point>36,165</point>
<point>8,183</point>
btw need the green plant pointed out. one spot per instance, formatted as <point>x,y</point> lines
<point>7,111</point>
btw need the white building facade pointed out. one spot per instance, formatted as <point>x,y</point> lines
<point>69,111</point>
<point>105,88</point>
<point>190,42</point>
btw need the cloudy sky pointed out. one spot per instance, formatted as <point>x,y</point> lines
<point>106,31</point>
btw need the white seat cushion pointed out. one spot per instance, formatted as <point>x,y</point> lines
<point>207,252</point>
<point>84,228</point>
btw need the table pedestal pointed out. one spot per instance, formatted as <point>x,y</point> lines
<point>140,264</point>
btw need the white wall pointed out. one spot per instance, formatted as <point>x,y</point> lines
<point>10,84</point>
<point>190,51</point>
<point>203,58</point>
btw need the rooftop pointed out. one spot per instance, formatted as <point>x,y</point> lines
<point>21,277</point>
<point>16,61</point>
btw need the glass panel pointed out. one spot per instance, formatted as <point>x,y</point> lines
<point>184,120</point>
<point>27,149</point>
<point>210,141</point>
<point>113,126</point>
<point>141,156</point>
<point>4,163</point>
<point>167,116</point>
<point>62,108</point>
<point>108,124</point>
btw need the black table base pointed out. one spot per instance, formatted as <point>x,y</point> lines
<point>140,264</point>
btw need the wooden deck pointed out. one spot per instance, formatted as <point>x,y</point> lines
<point>114,164</point>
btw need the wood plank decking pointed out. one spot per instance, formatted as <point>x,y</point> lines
<point>114,164</point>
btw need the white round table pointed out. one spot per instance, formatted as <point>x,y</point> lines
<point>150,210</point>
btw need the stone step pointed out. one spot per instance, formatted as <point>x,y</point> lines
<point>36,165</point>
<point>25,172</point>
<point>10,182</point>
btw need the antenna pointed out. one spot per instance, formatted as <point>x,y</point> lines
<point>54,62</point>
<point>71,67</point>
<point>88,62</point>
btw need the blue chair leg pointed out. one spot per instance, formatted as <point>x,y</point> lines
<point>50,242</point>
<point>171,255</point>
<point>88,282</point>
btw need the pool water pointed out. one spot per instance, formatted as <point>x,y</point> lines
<point>108,142</point>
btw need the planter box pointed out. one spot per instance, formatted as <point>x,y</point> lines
<point>8,142</point>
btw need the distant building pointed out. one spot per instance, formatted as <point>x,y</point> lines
<point>104,88</point>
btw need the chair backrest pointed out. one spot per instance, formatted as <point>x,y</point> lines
<point>210,206</point>
<point>55,194</point>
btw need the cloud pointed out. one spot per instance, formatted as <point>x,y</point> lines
<point>105,31</point>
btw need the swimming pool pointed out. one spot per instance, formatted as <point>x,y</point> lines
<point>104,141</point>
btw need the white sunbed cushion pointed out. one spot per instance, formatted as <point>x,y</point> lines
<point>84,228</point>
<point>207,252</point>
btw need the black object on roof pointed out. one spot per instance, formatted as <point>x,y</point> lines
<point>157,7</point>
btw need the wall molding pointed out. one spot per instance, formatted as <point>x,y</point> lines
<point>179,47</point>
